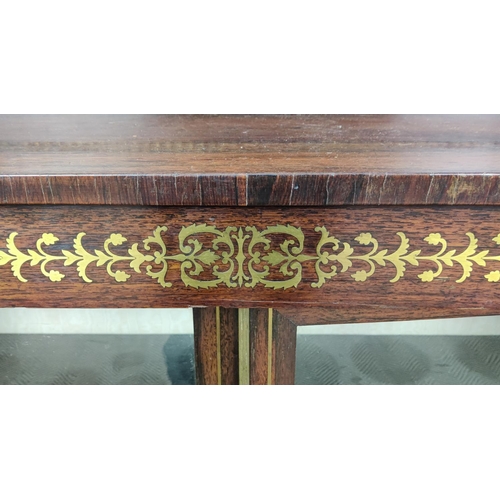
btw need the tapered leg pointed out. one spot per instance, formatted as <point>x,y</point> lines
<point>244,346</point>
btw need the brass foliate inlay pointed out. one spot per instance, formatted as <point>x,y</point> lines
<point>246,257</point>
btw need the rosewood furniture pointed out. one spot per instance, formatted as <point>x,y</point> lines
<point>260,223</point>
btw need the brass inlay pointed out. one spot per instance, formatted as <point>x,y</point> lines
<point>217,328</point>
<point>269,346</point>
<point>244,345</point>
<point>237,257</point>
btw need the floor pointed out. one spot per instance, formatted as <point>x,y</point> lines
<point>321,359</point>
<point>405,359</point>
<point>96,359</point>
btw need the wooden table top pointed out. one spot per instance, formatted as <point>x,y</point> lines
<point>253,160</point>
<point>237,212</point>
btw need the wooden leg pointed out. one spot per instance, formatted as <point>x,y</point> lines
<point>216,345</point>
<point>244,346</point>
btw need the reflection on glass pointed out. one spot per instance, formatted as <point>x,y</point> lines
<point>146,347</point>
<point>96,346</point>
<point>453,351</point>
<point>96,359</point>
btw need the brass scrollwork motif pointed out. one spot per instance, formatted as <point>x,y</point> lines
<point>246,257</point>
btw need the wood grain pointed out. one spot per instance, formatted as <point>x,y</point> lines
<point>474,296</point>
<point>259,347</point>
<point>216,354</point>
<point>205,347</point>
<point>284,349</point>
<point>251,160</point>
<point>372,313</point>
<point>270,363</point>
<point>359,184</point>
<point>229,346</point>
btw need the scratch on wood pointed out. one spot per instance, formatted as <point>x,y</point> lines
<point>355,192</point>
<point>429,190</point>
<point>26,190</point>
<point>11,189</point>
<point>291,190</point>
<point>382,192</point>
<point>78,187</point>
<point>454,193</point>
<point>96,190</point>
<point>155,189</point>
<point>487,196</point>
<point>50,189</point>
<point>43,192</point>
<point>72,193</point>
<point>368,194</point>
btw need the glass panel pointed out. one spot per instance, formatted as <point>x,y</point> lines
<point>104,346</point>
<point>451,351</point>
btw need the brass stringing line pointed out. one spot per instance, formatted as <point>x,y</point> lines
<point>226,261</point>
<point>269,346</point>
<point>217,329</point>
<point>244,345</point>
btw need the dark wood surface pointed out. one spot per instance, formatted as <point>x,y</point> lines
<point>205,347</point>
<point>321,219</point>
<point>283,350</point>
<point>272,353</point>
<point>271,341</point>
<point>380,311</point>
<point>250,160</point>
<point>259,347</point>
<point>450,289</point>
<point>216,364</point>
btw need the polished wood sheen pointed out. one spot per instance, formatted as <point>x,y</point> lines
<point>216,345</point>
<point>250,160</point>
<point>260,223</point>
<point>451,290</point>
<point>219,359</point>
